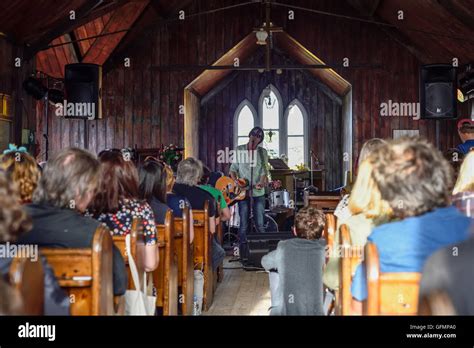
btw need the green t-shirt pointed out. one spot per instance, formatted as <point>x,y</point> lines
<point>218,196</point>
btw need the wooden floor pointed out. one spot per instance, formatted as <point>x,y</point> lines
<point>241,292</point>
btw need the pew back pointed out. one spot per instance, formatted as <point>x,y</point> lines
<point>350,257</point>
<point>203,252</point>
<point>165,277</point>
<point>329,231</point>
<point>86,274</point>
<point>27,277</point>
<point>389,293</point>
<point>185,256</point>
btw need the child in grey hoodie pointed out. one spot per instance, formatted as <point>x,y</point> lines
<point>297,288</point>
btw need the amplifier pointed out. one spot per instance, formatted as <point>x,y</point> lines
<point>261,244</point>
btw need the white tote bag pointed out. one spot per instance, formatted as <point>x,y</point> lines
<point>137,302</point>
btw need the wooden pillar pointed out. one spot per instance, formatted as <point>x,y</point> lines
<point>192,107</point>
<point>347,136</point>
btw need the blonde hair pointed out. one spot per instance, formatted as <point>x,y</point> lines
<point>365,197</point>
<point>370,146</point>
<point>465,182</point>
<point>23,170</point>
<point>169,178</point>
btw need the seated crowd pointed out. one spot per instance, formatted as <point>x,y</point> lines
<point>407,200</point>
<point>62,205</point>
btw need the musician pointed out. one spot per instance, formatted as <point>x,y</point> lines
<point>251,164</point>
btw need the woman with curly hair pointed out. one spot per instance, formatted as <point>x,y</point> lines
<point>14,222</point>
<point>22,169</point>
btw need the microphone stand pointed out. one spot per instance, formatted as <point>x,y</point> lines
<point>311,188</point>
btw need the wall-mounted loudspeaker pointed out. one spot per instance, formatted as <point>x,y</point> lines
<point>438,91</point>
<point>83,85</point>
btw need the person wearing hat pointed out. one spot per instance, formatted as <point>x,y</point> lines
<point>251,164</point>
<point>466,133</point>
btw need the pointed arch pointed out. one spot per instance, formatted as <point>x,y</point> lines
<point>245,109</point>
<point>296,124</point>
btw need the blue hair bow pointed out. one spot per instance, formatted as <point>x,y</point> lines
<point>14,148</point>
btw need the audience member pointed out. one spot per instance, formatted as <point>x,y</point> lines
<point>450,270</point>
<point>297,288</point>
<point>218,196</point>
<point>360,211</point>
<point>466,134</point>
<point>22,170</point>
<point>415,180</point>
<point>463,193</point>
<point>189,173</point>
<point>64,191</point>
<point>117,203</point>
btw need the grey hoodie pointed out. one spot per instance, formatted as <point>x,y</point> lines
<point>299,263</point>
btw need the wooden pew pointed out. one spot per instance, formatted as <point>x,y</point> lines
<point>219,274</point>
<point>203,252</point>
<point>389,293</point>
<point>329,231</point>
<point>86,274</point>
<point>184,251</point>
<point>350,257</point>
<point>165,277</point>
<point>27,277</point>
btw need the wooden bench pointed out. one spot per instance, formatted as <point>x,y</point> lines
<point>350,257</point>
<point>184,251</point>
<point>86,274</point>
<point>27,277</point>
<point>325,202</point>
<point>203,252</point>
<point>389,293</point>
<point>219,274</point>
<point>329,231</point>
<point>165,277</point>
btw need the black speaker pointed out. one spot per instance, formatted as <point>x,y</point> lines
<point>83,85</point>
<point>438,91</point>
<point>261,244</point>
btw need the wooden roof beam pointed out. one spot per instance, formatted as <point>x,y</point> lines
<point>65,26</point>
<point>368,8</point>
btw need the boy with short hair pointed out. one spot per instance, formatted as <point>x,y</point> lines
<point>466,133</point>
<point>297,288</point>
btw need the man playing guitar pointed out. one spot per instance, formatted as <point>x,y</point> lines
<point>253,168</point>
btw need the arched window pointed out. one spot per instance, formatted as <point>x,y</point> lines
<point>297,138</point>
<point>270,106</point>
<point>244,121</point>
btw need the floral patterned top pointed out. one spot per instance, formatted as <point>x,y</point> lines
<point>120,222</point>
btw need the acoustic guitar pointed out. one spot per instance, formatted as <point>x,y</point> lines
<point>231,191</point>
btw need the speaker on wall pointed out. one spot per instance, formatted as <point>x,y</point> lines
<point>438,91</point>
<point>83,85</point>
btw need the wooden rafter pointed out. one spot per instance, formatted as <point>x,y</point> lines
<point>66,25</point>
<point>368,8</point>
<point>122,19</point>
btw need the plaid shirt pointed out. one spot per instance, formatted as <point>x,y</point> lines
<point>464,201</point>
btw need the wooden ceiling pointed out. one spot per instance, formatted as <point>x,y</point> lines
<point>247,47</point>
<point>432,30</point>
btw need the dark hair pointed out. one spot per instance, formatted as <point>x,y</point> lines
<point>412,176</point>
<point>309,223</point>
<point>119,182</point>
<point>206,173</point>
<point>257,132</point>
<point>152,181</point>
